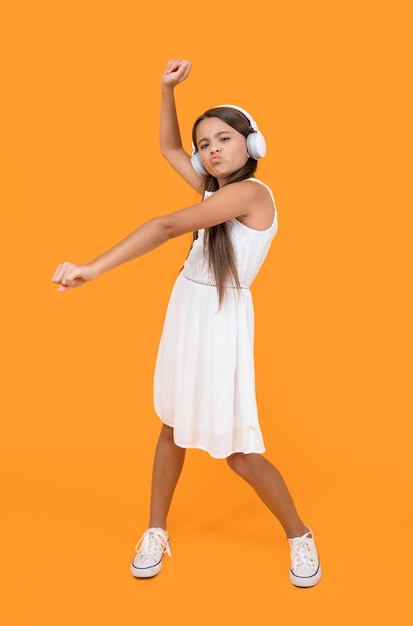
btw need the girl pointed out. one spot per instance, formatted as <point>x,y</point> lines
<point>204,389</point>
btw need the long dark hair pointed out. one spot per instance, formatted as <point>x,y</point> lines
<point>220,252</point>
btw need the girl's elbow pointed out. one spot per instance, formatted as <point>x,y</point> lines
<point>164,152</point>
<point>164,229</point>
<point>171,226</point>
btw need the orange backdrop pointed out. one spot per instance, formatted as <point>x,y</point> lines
<point>329,84</point>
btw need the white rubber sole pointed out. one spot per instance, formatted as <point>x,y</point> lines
<point>147,572</point>
<point>306,581</point>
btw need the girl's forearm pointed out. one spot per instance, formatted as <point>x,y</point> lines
<point>144,239</point>
<point>169,133</point>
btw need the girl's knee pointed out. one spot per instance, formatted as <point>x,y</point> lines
<point>241,464</point>
<point>167,434</point>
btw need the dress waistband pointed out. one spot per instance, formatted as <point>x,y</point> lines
<point>208,284</point>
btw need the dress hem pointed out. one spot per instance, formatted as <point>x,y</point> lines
<point>205,449</point>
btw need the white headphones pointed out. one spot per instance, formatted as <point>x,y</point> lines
<point>255,142</point>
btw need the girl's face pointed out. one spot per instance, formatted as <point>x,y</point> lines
<point>222,149</point>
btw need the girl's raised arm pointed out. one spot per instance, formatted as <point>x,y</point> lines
<point>176,71</point>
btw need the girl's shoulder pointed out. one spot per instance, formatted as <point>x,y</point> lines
<point>208,194</point>
<point>260,182</point>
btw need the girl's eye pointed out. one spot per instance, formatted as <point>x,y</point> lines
<point>224,138</point>
<point>204,145</point>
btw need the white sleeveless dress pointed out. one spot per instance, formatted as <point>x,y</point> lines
<point>204,384</point>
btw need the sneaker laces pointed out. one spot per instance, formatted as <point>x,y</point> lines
<point>153,540</point>
<point>302,553</point>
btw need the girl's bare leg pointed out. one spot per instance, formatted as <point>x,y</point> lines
<point>167,467</point>
<point>268,483</point>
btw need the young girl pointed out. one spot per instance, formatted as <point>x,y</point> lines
<point>204,388</point>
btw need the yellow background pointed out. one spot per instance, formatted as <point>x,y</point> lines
<point>329,85</point>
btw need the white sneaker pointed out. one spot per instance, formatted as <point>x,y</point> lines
<point>305,565</point>
<point>150,549</point>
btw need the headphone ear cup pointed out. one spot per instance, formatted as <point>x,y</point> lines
<point>197,164</point>
<point>256,145</point>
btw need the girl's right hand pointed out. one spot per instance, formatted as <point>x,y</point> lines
<point>176,71</point>
<point>69,275</point>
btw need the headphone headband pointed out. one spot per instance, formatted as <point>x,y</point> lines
<point>251,120</point>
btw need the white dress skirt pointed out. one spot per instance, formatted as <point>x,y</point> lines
<point>204,385</point>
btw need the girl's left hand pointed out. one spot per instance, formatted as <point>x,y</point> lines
<point>69,275</point>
